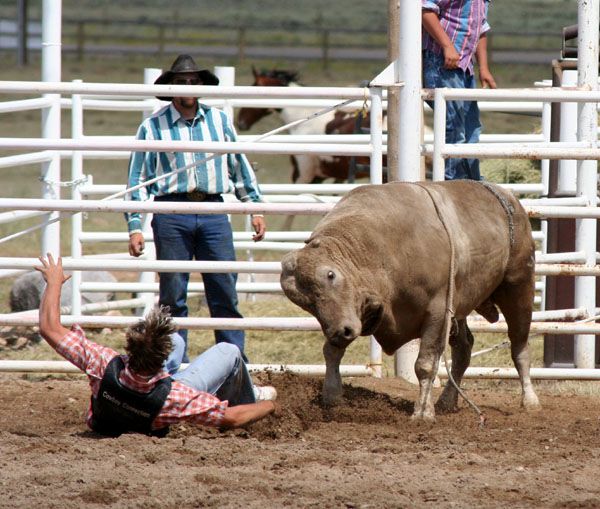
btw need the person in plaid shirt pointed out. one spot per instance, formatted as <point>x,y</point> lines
<point>136,392</point>
<point>454,36</point>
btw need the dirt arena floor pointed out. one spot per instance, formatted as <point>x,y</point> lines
<point>366,453</point>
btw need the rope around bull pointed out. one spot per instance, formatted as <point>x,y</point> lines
<point>449,306</point>
<point>176,171</point>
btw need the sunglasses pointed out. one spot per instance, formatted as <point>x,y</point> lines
<point>186,81</point>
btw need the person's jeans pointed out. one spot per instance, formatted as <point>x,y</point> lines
<point>201,237</point>
<point>462,117</point>
<point>220,370</point>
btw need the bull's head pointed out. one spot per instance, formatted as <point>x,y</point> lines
<point>332,292</point>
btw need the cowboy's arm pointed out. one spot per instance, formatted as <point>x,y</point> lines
<point>431,23</point>
<point>141,164</point>
<point>245,184</point>
<point>239,415</point>
<point>49,314</point>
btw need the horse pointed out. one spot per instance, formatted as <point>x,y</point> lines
<point>306,169</point>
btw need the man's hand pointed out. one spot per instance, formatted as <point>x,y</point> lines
<point>451,57</point>
<point>260,227</point>
<point>52,271</point>
<point>486,79</point>
<point>431,23</point>
<point>136,244</point>
<point>50,327</point>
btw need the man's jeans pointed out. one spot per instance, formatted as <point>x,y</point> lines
<point>203,237</point>
<point>220,370</point>
<point>462,117</point>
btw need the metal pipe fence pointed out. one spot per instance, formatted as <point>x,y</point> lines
<point>84,147</point>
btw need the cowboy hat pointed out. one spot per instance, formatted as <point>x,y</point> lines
<point>184,64</point>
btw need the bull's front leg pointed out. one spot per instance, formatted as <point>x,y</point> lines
<point>332,387</point>
<point>426,366</point>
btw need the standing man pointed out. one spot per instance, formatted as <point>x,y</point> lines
<point>189,236</point>
<point>454,35</point>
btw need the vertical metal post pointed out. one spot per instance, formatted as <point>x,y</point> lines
<point>567,169</point>
<point>376,127</point>
<point>77,218</point>
<point>587,171</point>
<point>408,69</point>
<point>150,75</point>
<point>51,71</point>
<point>226,77</point>
<point>393,99</point>
<point>439,133</point>
<point>545,163</point>
<point>545,170</point>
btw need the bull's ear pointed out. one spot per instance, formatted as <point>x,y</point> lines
<point>371,314</point>
<point>288,263</point>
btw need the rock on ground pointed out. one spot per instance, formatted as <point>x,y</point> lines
<point>27,290</point>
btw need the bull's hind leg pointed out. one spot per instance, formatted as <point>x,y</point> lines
<point>516,303</point>
<point>461,342</point>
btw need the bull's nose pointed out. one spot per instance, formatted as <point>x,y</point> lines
<point>343,336</point>
<point>348,333</point>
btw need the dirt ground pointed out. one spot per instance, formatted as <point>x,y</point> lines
<point>365,453</point>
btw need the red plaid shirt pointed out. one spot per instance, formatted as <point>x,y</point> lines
<point>183,403</point>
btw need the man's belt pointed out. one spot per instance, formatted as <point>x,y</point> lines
<point>196,195</point>
<point>191,196</point>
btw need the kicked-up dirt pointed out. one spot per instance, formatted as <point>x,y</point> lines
<point>364,453</point>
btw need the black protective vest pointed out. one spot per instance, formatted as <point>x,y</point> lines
<point>117,409</point>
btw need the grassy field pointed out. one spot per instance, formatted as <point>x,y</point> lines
<point>262,346</point>
<point>505,15</point>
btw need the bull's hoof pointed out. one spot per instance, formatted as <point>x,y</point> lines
<point>331,399</point>
<point>427,417</point>
<point>531,403</point>
<point>447,402</point>
<point>446,407</point>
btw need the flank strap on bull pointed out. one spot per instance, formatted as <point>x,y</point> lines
<point>450,302</point>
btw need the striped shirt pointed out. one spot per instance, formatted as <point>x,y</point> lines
<point>464,21</point>
<point>224,174</point>
<point>183,403</point>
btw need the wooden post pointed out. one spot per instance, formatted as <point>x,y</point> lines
<point>161,40</point>
<point>80,40</point>
<point>325,47</point>
<point>22,33</point>
<point>241,43</point>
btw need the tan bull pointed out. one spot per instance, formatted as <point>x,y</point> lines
<point>379,263</point>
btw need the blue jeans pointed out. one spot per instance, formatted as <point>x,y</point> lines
<point>220,371</point>
<point>201,237</point>
<point>462,117</point>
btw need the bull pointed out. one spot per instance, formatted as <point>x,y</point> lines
<point>389,260</point>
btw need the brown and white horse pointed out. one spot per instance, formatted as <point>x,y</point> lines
<point>307,169</point>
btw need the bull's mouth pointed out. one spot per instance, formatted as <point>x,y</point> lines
<point>372,313</point>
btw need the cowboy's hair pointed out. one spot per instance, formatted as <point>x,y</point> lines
<point>149,341</point>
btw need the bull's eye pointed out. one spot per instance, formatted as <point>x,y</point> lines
<point>331,275</point>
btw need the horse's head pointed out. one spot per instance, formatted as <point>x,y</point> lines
<point>273,77</point>
<point>247,117</point>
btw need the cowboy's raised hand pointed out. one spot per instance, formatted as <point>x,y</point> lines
<point>52,271</point>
